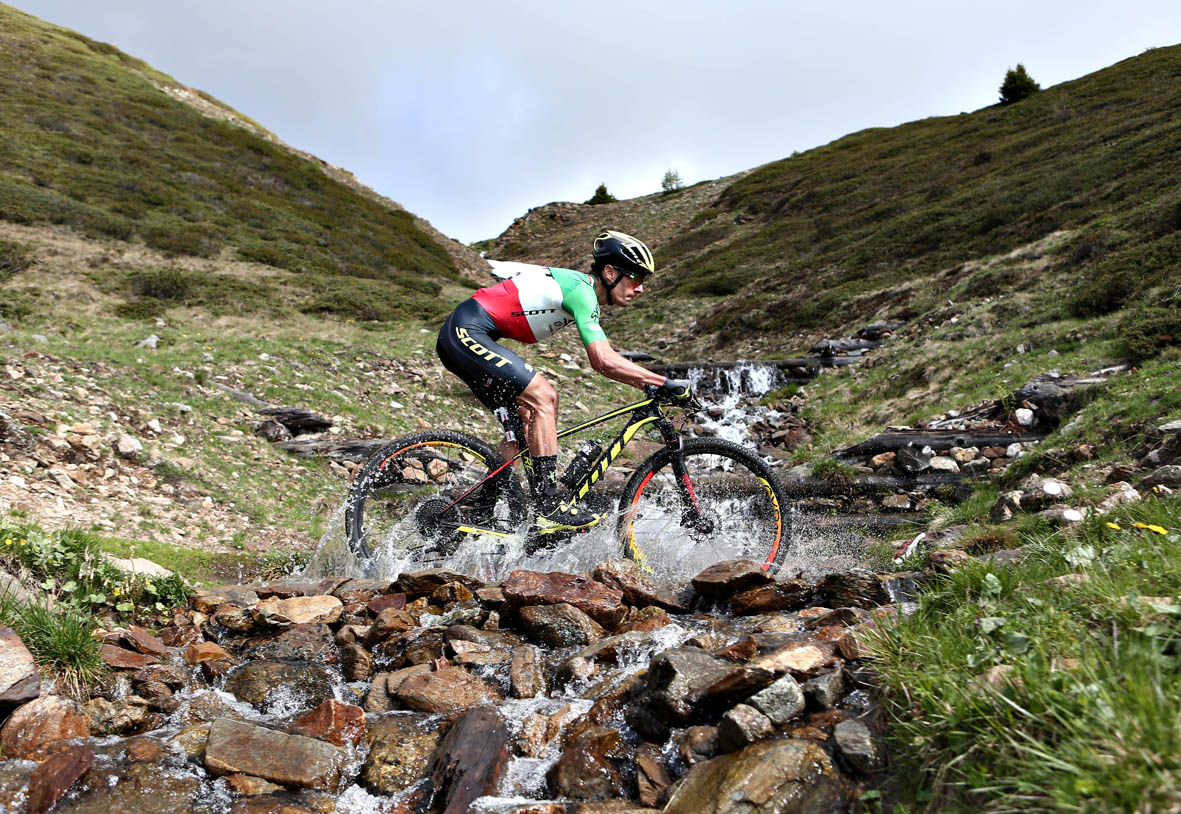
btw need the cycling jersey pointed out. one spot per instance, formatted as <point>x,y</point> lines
<point>539,301</point>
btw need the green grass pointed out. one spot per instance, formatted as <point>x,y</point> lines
<point>91,141</point>
<point>1098,733</point>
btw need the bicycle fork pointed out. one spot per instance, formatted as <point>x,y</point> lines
<point>691,516</point>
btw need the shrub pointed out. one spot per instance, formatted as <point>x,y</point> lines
<point>1145,332</point>
<point>601,196</point>
<point>14,258</point>
<point>173,242</point>
<point>1018,85</point>
<point>1104,292</point>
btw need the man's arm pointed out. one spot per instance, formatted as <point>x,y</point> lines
<point>606,360</point>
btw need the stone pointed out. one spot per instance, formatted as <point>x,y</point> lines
<point>145,642</point>
<point>944,463</point>
<point>857,745</point>
<point>913,461</point>
<point>961,455</point>
<point>1123,493</point>
<point>789,595</point>
<point>424,583</point>
<point>356,663</point>
<point>799,659</point>
<point>603,604</point>
<point>401,746</point>
<point>561,625</point>
<point>445,690</point>
<point>20,680</point>
<point>128,448</point>
<point>1015,450</point>
<point>730,577</point>
<point>1041,493</point>
<point>205,651</point>
<point>638,588</point>
<point>451,592</point>
<point>140,788</point>
<point>293,761</point>
<point>41,723</point>
<point>526,677</point>
<point>269,684</point>
<point>471,760</point>
<point>587,662</point>
<point>381,695</point>
<point>1062,515</point>
<point>697,744</point>
<point>338,723</point>
<point>299,610</point>
<point>825,690</point>
<point>1024,416</point>
<point>50,781</point>
<point>386,601</point>
<point>896,503</point>
<point>588,768</point>
<point>741,726</point>
<point>1169,476</point>
<point>676,681</point>
<point>208,600</point>
<point>248,786</point>
<point>387,623</point>
<point>300,642</point>
<point>976,466</point>
<point>652,777</point>
<point>781,701</point>
<point>116,717</point>
<point>119,659</point>
<point>1006,506</point>
<point>881,460</point>
<point>781,776</point>
<point>645,619</point>
<point>857,587</point>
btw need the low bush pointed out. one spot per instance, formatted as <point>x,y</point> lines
<point>14,258</point>
<point>1145,332</point>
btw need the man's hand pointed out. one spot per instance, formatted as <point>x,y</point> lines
<point>673,391</point>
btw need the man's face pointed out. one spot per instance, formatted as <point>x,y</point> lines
<point>627,289</point>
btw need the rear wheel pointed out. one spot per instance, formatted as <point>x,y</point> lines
<point>402,494</point>
<point>732,508</point>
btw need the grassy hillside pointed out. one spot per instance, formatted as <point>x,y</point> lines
<point>890,223</point>
<point>98,141</point>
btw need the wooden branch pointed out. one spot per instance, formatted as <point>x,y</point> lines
<point>241,395</point>
<point>336,450</point>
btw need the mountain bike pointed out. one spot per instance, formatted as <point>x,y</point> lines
<point>444,486</point>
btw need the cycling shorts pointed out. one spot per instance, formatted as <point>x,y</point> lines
<point>468,347</point>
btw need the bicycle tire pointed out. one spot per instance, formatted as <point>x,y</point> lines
<point>736,491</point>
<point>421,467</point>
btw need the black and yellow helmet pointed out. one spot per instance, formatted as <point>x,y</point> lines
<point>624,253</point>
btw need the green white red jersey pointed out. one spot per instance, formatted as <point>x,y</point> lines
<point>536,302</point>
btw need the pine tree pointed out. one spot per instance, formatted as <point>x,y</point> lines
<point>601,196</point>
<point>1018,85</point>
<point>671,181</point>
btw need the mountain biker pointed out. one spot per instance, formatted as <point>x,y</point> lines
<point>531,306</point>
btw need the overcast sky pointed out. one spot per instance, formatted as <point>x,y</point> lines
<point>470,113</point>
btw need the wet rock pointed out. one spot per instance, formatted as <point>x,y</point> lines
<point>299,610</point>
<point>387,623</point>
<point>266,684</point>
<point>384,602</point>
<point>637,587</point>
<point>912,461</point>
<point>424,583</point>
<point>191,741</point>
<point>235,618</point>
<point>141,788</point>
<point>652,776</point>
<point>825,690</point>
<point>356,664</point>
<point>645,620</point>
<point>896,503</point>
<point>730,577</point>
<point>293,761</point>
<point>676,681</point>
<point>560,625</point>
<point>401,747</point>
<point>116,717</point>
<point>208,600</point>
<point>839,617</point>
<point>311,642</point>
<point>781,701</point>
<point>167,675</point>
<point>445,690</point>
<point>119,659</point>
<point>249,786</point>
<point>697,744</point>
<point>143,749</point>
<point>587,769</point>
<point>143,642</point>
<point>526,678</point>
<point>39,724</point>
<point>339,724</point>
<point>424,646</point>
<point>382,695</point>
<point>742,725</point>
<point>587,662</point>
<point>471,760</point>
<point>20,680</point>
<point>857,587</point>
<point>779,596</point>
<point>799,659</point>
<point>857,745</point>
<point>451,592</point>
<point>603,604</point>
<point>781,776</point>
<point>50,781</point>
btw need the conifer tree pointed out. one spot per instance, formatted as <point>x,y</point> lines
<point>1018,85</point>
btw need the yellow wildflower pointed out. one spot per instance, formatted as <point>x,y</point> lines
<point>117,592</point>
<point>1158,529</point>
<point>1115,526</point>
<point>1140,525</point>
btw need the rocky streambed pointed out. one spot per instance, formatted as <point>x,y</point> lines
<point>435,692</point>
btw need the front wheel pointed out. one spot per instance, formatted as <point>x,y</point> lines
<point>726,505</point>
<point>405,493</point>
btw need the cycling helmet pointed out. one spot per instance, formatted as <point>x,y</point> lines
<point>623,252</point>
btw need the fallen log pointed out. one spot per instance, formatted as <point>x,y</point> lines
<point>894,440</point>
<point>297,419</point>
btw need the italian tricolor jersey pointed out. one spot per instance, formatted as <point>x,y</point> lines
<point>537,302</point>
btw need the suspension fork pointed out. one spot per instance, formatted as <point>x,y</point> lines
<point>690,509</point>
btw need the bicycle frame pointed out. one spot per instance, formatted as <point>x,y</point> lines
<point>643,413</point>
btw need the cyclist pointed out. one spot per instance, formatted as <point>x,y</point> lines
<point>531,306</point>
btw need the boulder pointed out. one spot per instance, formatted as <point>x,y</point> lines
<point>116,717</point>
<point>790,595</point>
<point>50,781</point>
<point>1041,493</point>
<point>293,761</point>
<point>298,610</point>
<point>471,761</point>
<point>857,745</point>
<point>1169,476</point>
<point>312,642</point>
<point>781,776</point>
<point>857,587</point>
<point>676,681</point>
<point>19,679</point>
<point>140,788</point>
<point>603,604</point>
<point>276,684</point>
<point>424,583</point>
<point>589,767</point>
<point>561,625</point>
<point>338,723</point>
<point>39,724</point>
<point>638,588</point>
<point>825,690</point>
<point>781,701</point>
<point>730,577</point>
<point>445,690</point>
<point>401,747</point>
<point>741,726</point>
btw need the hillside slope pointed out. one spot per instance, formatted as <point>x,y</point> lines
<point>890,223</point>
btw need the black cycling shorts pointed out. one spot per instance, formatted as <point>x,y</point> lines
<point>468,347</point>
